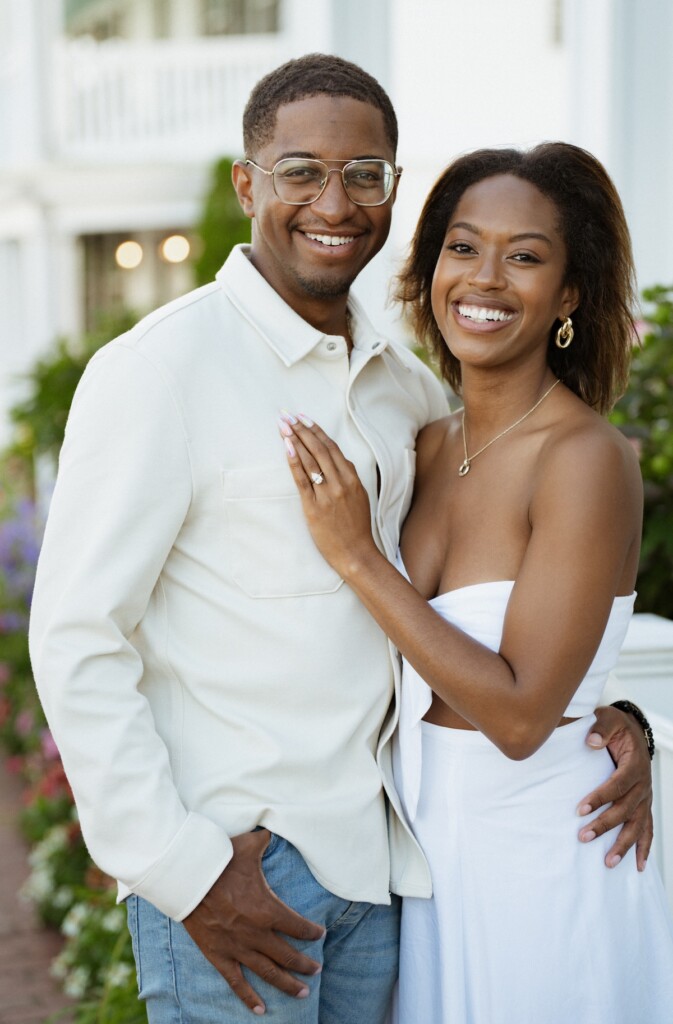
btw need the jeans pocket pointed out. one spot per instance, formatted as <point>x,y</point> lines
<point>134,928</point>
<point>274,840</point>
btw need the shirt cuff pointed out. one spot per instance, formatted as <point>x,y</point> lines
<point>189,868</point>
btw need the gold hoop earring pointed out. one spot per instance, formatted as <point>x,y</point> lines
<point>565,333</point>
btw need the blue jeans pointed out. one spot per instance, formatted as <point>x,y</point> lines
<point>359,954</point>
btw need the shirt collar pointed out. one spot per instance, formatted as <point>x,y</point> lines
<point>290,337</point>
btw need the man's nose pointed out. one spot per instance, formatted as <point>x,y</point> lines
<point>334,203</point>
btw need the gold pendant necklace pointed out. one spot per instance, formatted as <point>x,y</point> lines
<point>467,461</point>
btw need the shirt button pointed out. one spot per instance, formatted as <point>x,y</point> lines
<point>331,346</point>
<point>375,345</point>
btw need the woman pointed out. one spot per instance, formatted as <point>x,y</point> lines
<point>511,598</point>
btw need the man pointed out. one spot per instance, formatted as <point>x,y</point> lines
<point>205,672</point>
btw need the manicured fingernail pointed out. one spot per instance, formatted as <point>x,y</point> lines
<point>288,416</point>
<point>289,446</point>
<point>303,993</point>
<point>614,860</point>
<point>259,1010</point>
<point>641,867</point>
<point>595,740</point>
<point>285,428</point>
<point>584,809</point>
<point>306,420</point>
<point>586,837</point>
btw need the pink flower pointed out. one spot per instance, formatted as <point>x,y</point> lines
<point>24,723</point>
<point>5,709</point>
<point>14,765</point>
<point>49,748</point>
<point>52,784</point>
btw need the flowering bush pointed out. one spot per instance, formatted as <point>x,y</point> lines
<point>21,719</point>
<point>59,863</point>
<point>96,964</point>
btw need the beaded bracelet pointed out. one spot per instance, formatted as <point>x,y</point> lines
<point>633,709</point>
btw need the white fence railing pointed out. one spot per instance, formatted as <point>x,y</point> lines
<point>663,799</point>
<point>122,101</point>
<point>645,675</point>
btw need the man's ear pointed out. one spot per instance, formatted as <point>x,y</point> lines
<point>395,186</point>
<point>241,176</point>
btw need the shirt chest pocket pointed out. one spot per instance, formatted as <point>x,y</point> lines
<point>270,550</point>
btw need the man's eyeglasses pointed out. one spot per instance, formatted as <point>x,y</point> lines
<point>298,181</point>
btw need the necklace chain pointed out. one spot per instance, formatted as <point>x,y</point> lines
<point>469,459</point>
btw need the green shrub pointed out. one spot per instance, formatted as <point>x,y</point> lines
<point>222,226</point>
<point>645,414</point>
<point>39,420</point>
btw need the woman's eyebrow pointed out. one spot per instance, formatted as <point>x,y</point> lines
<point>466,226</point>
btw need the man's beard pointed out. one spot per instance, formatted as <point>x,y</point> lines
<point>325,287</point>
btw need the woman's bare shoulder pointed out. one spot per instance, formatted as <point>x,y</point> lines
<point>589,452</point>
<point>433,438</point>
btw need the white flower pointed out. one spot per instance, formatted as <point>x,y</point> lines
<point>118,974</point>
<point>38,886</point>
<point>37,857</point>
<point>60,965</point>
<point>76,983</point>
<point>63,897</point>
<point>74,919</point>
<point>55,839</point>
<point>114,920</point>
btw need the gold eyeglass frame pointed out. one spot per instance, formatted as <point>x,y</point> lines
<point>328,170</point>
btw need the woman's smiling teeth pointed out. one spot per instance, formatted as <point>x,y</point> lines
<point>330,239</point>
<point>484,313</point>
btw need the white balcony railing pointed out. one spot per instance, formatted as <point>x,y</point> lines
<point>663,799</point>
<point>645,675</point>
<point>175,100</point>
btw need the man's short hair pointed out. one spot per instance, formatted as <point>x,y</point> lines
<point>314,74</point>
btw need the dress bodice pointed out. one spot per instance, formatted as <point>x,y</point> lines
<point>479,610</point>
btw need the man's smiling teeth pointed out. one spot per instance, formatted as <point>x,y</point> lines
<point>331,239</point>
<point>482,313</point>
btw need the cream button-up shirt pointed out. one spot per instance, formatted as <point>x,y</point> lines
<point>203,669</point>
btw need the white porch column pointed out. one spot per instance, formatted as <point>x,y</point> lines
<point>361,33</point>
<point>641,129</point>
<point>588,30</point>
<point>306,26</point>
<point>621,101</point>
<point>20,81</point>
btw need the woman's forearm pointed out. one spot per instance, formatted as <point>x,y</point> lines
<point>476,682</point>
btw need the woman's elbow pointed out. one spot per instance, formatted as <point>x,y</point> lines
<point>521,740</point>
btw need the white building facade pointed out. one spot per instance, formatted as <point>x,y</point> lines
<point>111,112</point>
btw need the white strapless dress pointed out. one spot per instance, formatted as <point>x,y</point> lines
<point>526,924</point>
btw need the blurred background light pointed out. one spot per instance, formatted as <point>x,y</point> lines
<point>129,255</point>
<point>175,249</point>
